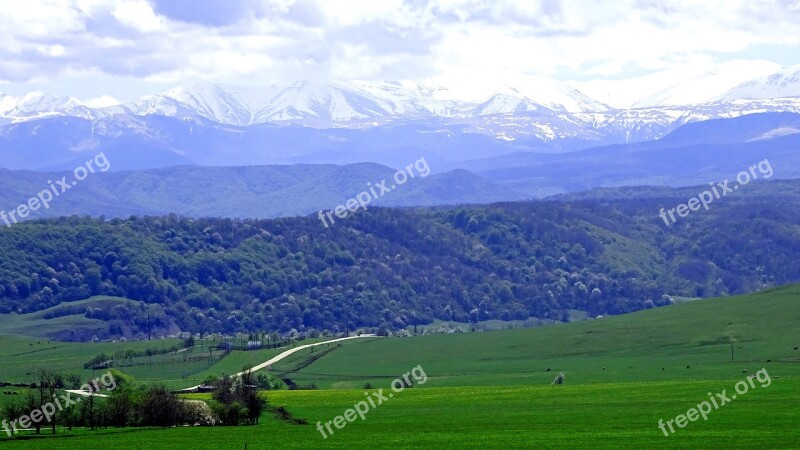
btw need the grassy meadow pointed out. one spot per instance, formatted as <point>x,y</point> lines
<point>493,389</point>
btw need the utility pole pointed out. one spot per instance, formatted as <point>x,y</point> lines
<point>148,322</point>
<point>731,351</point>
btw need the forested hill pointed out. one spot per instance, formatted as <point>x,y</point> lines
<point>394,267</point>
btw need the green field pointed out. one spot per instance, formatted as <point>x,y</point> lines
<point>493,389</point>
<point>689,341</point>
<point>21,356</point>
<point>585,416</point>
<point>36,325</point>
<point>24,347</point>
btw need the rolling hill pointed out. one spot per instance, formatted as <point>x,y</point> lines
<point>652,345</point>
<point>387,268</point>
<point>693,154</point>
<point>244,192</point>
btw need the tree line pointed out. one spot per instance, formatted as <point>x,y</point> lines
<point>394,268</point>
<point>235,401</point>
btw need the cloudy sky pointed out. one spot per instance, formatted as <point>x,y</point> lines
<point>102,50</point>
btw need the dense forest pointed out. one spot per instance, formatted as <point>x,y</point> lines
<point>392,268</point>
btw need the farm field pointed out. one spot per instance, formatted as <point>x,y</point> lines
<point>68,316</point>
<point>583,416</point>
<point>688,341</point>
<point>22,355</point>
<point>494,389</point>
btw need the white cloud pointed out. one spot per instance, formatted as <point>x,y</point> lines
<point>139,15</point>
<point>102,101</point>
<point>700,80</point>
<point>356,12</point>
<point>472,41</point>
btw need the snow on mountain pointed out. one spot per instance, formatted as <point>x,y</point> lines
<point>541,91</point>
<point>555,95</point>
<point>340,103</point>
<point>536,96</point>
<point>335,102</point>
<point>506,104</point>
<point>39,104</point>
<point>232,105</point>
<point>238,105</point>
<point>706,86</point>
<point>411,99</point>
<point>675,86</point>
<point>527,108</point>
<point>785,83</point>
<point>618,125</point>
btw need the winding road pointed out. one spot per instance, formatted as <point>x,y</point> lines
<point>287,353</point>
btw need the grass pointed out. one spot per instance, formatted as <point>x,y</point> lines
<point>444,326</point>
<point>35,325</point>
<point>21,356</point>
<point>583,416</point>
<point>493,389</point>
<point>16,394</point>
<point>23,349</point>
<point>689,341</point>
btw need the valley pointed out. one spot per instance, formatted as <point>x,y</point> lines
<point>400,224</point>
<point>624,373</point>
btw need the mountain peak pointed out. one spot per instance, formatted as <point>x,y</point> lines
<point>38,104</point>
<point>335,103</point>
<point>782,84</point>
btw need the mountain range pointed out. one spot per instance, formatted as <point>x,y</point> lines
<point>359,102</point>
<point>544,138</point>
<point>242,192</point>
<point>694,154</point>
<point>541,108</point>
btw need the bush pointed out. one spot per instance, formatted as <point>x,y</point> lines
<point>238,400</point>
<point>198,413</point>
<point>268,382</point>
<point>560,378</point>
<point>160,407</point>
<point>229,414</point>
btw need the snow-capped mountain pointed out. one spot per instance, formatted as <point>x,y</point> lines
<point>341,103</point>
<point>549,113</point>
<point>335,102</point>
<point>298,102</point>
<point>676,86</point>
<point>785,83</point>
<point>232,105</point>
<point>551,94</point>
<point>37,104</point>
<point>410,99</point>
<point>506,104</point>
<point>538,95</point>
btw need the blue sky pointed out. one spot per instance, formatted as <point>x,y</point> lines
<point>127,48</point>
